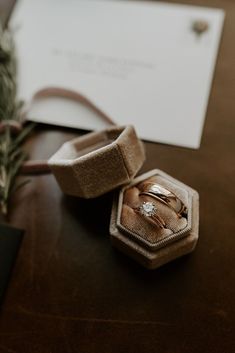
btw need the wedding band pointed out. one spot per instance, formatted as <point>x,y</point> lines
<point>165,196</point>
<point>149,211</point>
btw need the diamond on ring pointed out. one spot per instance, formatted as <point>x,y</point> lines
<point>148,209</point>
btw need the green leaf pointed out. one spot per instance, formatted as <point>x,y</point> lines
<point>11,154</point>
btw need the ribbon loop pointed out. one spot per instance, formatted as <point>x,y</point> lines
<point>14,126</point>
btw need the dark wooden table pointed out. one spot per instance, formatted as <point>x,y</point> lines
<point>71,292</point>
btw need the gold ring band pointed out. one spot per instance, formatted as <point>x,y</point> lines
<point>164,196</point>
<point>149,211</point>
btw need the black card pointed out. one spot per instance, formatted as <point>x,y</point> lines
<point>10,239</point>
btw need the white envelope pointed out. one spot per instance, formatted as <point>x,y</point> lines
<point>140,62</point>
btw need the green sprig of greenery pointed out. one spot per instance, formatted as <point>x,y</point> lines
<point>11,154</point>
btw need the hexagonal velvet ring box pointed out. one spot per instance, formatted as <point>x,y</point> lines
<point>98,162</point>
<point>155,219</point>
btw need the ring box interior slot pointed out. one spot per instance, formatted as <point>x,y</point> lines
<point>148,244</point>
<point>98,162</point>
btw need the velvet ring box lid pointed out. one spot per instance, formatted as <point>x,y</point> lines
<point>151,245</point>
<point>98,162</point>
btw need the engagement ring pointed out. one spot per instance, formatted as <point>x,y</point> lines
<point>149,211</point>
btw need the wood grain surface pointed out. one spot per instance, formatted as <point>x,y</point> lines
<point>71,292</point>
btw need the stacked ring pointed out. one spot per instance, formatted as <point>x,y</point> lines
<point>165,196</point>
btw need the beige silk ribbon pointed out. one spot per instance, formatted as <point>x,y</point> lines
<point>37,166</point>
<point>14,126</point>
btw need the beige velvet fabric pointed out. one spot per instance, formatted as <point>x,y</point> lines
<point>124,214</point>
<point>98,162</point>
<point>139,225</point>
